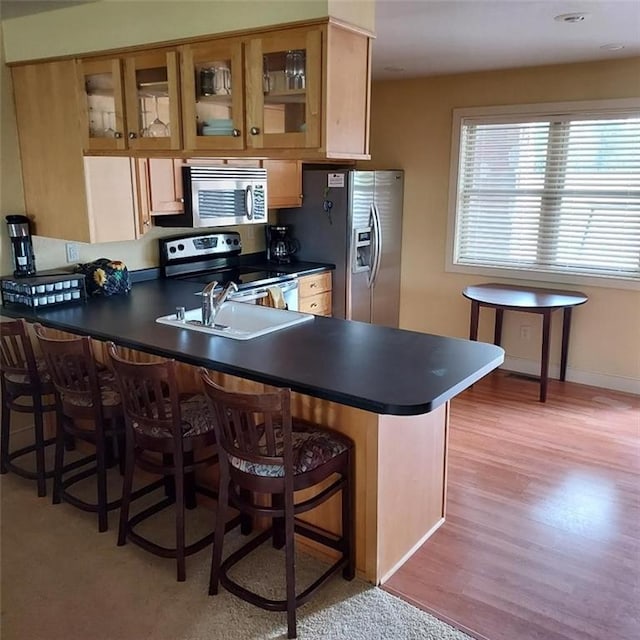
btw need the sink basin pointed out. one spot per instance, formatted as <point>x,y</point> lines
<point>239,320</point>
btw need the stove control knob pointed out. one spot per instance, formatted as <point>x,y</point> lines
<point>172,249</point>
<point>180,247</point>
<point>229,240</point>
<point>236,241</point>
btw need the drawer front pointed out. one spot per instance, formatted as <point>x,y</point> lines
<point>318,283</point>
<point>319,305</point>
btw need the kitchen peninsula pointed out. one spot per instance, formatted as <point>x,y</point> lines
<point>388,389</point>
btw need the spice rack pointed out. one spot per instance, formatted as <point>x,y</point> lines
<point>43,290</point>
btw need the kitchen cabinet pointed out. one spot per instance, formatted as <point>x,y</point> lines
<point>284,183</point>
<point>112,199</point>
<point>302,93</point>
<point>130,102</point>
<point>311,106</point>
<point>314,293</point>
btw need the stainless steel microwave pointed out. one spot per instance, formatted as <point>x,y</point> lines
<point>220,196</point>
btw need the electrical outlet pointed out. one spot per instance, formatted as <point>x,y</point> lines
<point>525,332</point>
<point>73,255</point>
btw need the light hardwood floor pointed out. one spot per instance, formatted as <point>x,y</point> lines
<point>542,538</point>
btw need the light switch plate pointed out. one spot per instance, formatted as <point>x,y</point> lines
<point>73,255</point>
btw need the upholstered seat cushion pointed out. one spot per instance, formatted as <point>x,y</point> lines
<point>312,447</point>
<point>23,378</point>
<point>109,396</point>
<point>195,419</point>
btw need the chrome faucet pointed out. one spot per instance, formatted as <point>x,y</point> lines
<point>211,304</point>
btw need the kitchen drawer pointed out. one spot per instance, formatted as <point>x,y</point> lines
<point>317,283</point>
<point>319,304</point>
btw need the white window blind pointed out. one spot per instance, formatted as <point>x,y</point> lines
<point>551,194</point>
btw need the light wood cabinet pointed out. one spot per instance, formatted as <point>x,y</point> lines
<point>260,109</point>
<point>284,183</point>
<point>302,93</point>
<point>130,102</point>
<point>314,293</point>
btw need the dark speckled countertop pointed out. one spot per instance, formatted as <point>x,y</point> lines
<point>383,370</point>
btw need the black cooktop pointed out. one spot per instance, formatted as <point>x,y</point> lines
<point>244,277</point>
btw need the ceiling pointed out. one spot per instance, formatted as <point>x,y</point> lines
<point>428,37</point>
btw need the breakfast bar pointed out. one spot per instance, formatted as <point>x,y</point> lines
<point>388,389</point>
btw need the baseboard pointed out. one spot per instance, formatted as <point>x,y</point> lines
<point>602,380</point>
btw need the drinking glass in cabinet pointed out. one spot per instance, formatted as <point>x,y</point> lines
<point>295,69</point>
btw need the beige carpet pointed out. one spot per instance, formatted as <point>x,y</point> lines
<point>62,580</point>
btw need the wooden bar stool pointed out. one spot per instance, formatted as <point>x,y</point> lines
<point>24,383</point>
<point>89,409</point>
<point>268,452</point>
<point>165,431</point>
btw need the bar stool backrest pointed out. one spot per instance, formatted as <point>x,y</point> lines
<point>150,398</point>
<point>73,370</point>
<point>17,360</point>
<point>254,427</point>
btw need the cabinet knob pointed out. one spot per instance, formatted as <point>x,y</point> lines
<point>236,133</point>
<point>314,305</point>
<point>312,285</point>
<point>255,131</point>
<point>117,134</point>
<point>132,135</point>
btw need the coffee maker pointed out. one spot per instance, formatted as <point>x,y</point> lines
<point>21,247</point>
<point>280,245</point>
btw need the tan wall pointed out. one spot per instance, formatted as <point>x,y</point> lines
<point>411,129</point>
<point>116,23</point>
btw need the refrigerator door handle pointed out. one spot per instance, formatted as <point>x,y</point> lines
<point>372,256</point>
<point>377,243</point>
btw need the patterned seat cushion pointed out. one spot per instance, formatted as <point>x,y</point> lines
<point>312,447</point>
<point>196,420</point>
<point>23,378</point>
<point>109,396</point>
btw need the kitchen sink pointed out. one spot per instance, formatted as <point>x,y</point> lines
<point>239,320</point>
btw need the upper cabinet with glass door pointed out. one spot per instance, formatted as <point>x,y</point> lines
<point>213,95</point>
<point>284,80</point>
<point>130,102</point>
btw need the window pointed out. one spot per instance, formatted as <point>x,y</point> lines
<point>545,193</point>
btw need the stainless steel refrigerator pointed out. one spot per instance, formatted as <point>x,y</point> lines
<point>353,219</point>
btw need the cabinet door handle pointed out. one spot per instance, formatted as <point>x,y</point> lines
<point>236,133</point>
<point>132,135</point>
<point>117,134</point>
<point>255,131</point>
<point>312,285</point>
<point>314,305</point>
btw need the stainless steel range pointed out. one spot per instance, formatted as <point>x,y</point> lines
<point>209,257</point>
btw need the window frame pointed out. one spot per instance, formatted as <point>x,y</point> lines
<point>521,113</point>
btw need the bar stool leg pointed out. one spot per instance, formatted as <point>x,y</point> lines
<point>221,518</point>
<point>179,480</point>
<point>59,458</point>
<point>291,563</point>
<point>348,519</point>
<point>38,427</point>
<point>127,485</point>
<point>101,462</point>
<point>5,429</point>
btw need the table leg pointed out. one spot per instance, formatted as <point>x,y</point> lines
<point>544,368</point>
<point>475,314</point>
<point>497,331</point>
<point>566,328</point>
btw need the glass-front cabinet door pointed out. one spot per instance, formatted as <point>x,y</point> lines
<point>152,100</point>
<point>212,95</point>
<point>101,104</point>
<point>284,80</point>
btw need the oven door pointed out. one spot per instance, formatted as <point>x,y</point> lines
<point>289,291</point>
